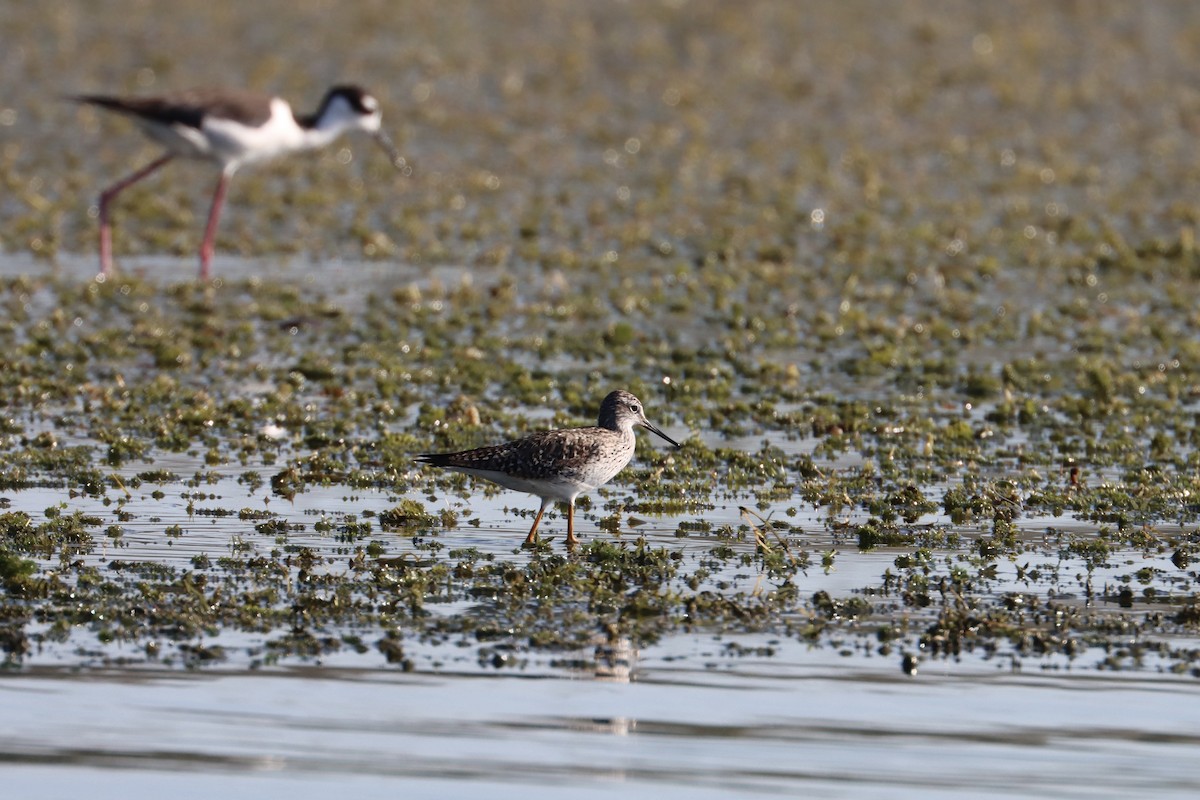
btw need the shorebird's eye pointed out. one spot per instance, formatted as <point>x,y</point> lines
<point>635,408</point>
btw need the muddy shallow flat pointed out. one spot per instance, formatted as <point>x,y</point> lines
<point>237,463</point>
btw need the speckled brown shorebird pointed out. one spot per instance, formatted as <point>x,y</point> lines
<point>232,128</point>
<point>558,465</point>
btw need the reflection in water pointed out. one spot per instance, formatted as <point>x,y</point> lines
<point>615,657</point>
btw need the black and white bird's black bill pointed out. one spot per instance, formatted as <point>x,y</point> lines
<point>390,148</point>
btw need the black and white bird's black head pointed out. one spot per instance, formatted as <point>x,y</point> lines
<point>348,107</point>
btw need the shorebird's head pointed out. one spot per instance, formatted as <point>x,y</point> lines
<point>621,411</point>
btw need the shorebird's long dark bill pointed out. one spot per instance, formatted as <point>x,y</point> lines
<point>653,429</point>
<point>390,148</point>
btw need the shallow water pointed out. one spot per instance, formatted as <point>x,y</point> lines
<point>791,725</point>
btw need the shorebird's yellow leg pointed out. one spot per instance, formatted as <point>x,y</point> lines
<point>571,540</point>
<point>532,537</point>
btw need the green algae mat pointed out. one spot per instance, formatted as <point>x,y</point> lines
<point>915,290</point>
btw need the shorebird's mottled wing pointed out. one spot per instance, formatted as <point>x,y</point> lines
<point>541,456</point>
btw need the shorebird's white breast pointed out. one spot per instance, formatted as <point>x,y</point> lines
<point>563,489</point>
<point>615,454</point>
